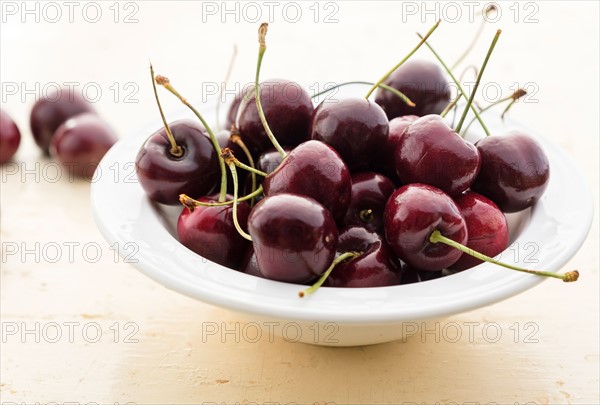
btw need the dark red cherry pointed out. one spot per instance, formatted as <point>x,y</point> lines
<point>210,232</point>
<point>235,105</point>
<point>249,264</point>
<point>431,152</point>
<point>81,142</point>
<point>288,110</point>
<point>370,192</point>
<point>164,176</point>
<point>386,164</point>
<point>377,266</point>
<point>270,159</point>
<point>514,171</point>
<point>50,111</point>
<point>316,170</point>
<point>10,137</point>
<point>354,127</point>
<point>294,237</point>
<point>486,226</point>
<point>412,213</point>
<point>423,82</point>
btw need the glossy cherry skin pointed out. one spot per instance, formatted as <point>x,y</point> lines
<point>370,192</point>
<point>354,127</point>
<point>315,170</point>
<point>10,137</point>
<point>486,226</point>
<point>267,162</point>
<point>249,264</point>
<point>294,237</point>
<point>164,177</point>
<point>81,142</point>
<point>423,82</point>
<point>210,232</point>
<point>514,171</point>
<point>386,164</point>
<point>50,111</point>
<point>377,266</point>
<point>431,152</point>
<point>234,107</point>
<point>412,213</point>
<point>288,110</point>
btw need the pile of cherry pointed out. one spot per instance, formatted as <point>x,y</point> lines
<point>65,126</point>
<point>350,193</point>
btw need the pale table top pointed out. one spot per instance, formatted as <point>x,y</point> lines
<point>150,349</point>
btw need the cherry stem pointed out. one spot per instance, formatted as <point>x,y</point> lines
<point>235,201</point>
<point>460,90</point>
<point>479,76</point>
<point>384,86</point>
<point>163,81</point>
<point>175,150</point>
<point>513,99</point>
<point>227,154</point>
<point>366,215</point>
<point>376,85</point>
<point>487,10</point>
<point>235,138</point>
<point>321,280</point>
<point>262,33</point>
<point>437,237</point>
<point>191,203</point>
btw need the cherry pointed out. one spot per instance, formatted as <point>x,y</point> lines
<point>288,109</point>
<point>81,142</point>
<point>164,176</point>
<point>386,164</point>
<point>376,266</point>
<point>421,81</point>
<point>316,170</point>
<point>421,222</point>
<point>355,127</point>
<point>514,171</point>
<point>210,231</point>
<point>294,237</point>
<point>431,152</point>
<point>10,137</point>
<point>234,107</point>
<point>270,159</point>
<point>369,194</point>
<point>249,264</point>
<point>411,214</point>
<point>486,226</point>
<point>50,111</point>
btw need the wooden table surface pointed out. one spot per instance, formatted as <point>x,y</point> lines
<point>80,325</point>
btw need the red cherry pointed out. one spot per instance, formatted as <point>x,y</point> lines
<point>10,137</point>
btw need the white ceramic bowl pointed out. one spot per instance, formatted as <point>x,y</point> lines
<point>554,229</point>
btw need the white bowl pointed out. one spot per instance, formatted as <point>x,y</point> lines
<point>555,229</point>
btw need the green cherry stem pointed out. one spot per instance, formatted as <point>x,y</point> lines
<point>227,75</point>
<point>227,154</point>
<point>175,150</point>
<point>479,76</point>
<point>486,11</point>
<point>513,99</point>
<point>262,33</point>
<point>321,280</point>
<point>384,86</point>
<point>235,200</point>
<point>384,77</point>
<point>461,91</point>
<point>437,237</point>
<point>191,203</point>
<point>163,81</point>
<point>237,139</point>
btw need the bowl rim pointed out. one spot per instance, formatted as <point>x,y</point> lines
<point>124,216</point>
